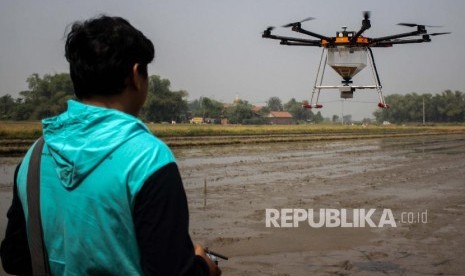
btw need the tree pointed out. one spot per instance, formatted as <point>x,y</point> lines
<point>318,118</point>
<point>447,106</point>
<point>164,105</point>
<point>46,97</point>
<point>335,118</point>
<point>7,105</point>
<point>298,112</point>
<point>366,121</point>
<point>347,119</point>
<point>274,104</point>
<point>264,111</point>
<point>209,108</point>
<point>239,112</point>
<point>453,106</point>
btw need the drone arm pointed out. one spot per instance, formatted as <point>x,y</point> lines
<point>297,28</point>
<point>285,42</point>
<point>374,41</point>
<point>292,39</point>
<point>365,26</point>
<point>389,43</point>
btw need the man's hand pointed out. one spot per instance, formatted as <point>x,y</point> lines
<point>214,269</point>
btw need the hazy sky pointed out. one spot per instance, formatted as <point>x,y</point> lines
<point>214,48</point>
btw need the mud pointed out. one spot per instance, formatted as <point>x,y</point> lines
<point>405,175</point>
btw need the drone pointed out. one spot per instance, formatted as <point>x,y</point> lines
<point>347,53</point>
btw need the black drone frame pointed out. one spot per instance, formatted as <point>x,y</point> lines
<point>355,40</point>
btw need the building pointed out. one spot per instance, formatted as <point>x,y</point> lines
<point>280,118</point>
<point>197,120</point>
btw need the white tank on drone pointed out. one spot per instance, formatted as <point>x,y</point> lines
<point>347,61</point>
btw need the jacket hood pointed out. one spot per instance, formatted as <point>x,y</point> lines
<point>83,136</point>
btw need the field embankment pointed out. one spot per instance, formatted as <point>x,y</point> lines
<point>16,137</point>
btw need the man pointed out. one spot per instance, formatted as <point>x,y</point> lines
<point>112,199</point>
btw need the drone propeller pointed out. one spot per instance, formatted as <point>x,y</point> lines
<point>417,25</point>
<point>267,32</point>
<point>270,28</point>
<point>439,33</point>
<point>301,21</point>
<point>366,15</point>
<point>365,26</point>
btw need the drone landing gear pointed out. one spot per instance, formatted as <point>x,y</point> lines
<point>312,106</point>
<point>381,105</point>
<point>346,89</point>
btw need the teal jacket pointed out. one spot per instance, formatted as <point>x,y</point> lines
<point>95,162</point>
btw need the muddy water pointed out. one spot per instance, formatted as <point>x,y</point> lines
<point>401,174</point>
<point>7,170</point>
<point>265,163</point>
<point>237,155</point>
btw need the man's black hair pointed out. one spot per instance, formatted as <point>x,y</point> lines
<point>102,52</point>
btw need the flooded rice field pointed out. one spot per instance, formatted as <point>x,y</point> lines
<point>416,184</point>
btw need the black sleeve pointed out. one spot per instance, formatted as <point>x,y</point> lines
<point>14,250</point>
<point>161,219</point>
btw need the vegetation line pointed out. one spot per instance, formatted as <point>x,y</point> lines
<point>16,138</point>
<point>293,139</point>
<point>47,96</point>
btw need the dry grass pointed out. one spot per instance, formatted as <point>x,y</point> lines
<point>185,130</point>
<point>32,130</point>
<point>16,137</point>
<point>20,130</point>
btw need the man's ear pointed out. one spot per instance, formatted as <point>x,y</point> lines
<point>136,78</point>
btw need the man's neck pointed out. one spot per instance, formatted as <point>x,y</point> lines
<point>117,102</point>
